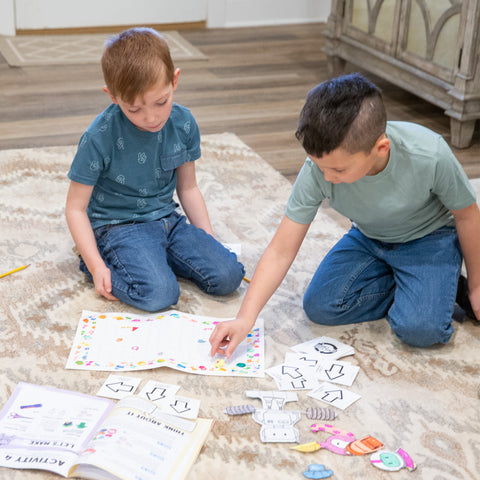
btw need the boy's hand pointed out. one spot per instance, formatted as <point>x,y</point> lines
<point>102,279</point>
<point>227,336</point>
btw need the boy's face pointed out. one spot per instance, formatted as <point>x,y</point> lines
<point>339,166</point>
<point>150,111</point>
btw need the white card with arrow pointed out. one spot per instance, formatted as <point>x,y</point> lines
<point>334,395</point>
<point>182,407</point>
<point>336,371</point>
<point>296,358</point>
<point>158,391</point>
<point>163,396</point>
<point>293,377</point>
<point>119,387</point>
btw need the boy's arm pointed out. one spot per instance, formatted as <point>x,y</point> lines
<point>81,230</point>
<point>191,198</point>
<point>467,221</point>
<point>269,274</point>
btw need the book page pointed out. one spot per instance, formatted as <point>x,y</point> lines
<point>46,428</point>
<point>136,441</point>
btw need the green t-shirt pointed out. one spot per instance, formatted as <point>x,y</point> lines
<point>409,199</point>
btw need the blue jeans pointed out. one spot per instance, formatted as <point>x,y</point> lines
<point>145,258</point>
<point>412,284</point>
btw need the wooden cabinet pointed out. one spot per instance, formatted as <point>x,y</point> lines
<point>428,47</point>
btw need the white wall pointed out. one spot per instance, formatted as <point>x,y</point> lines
<point>7,17</point>
<point>241,13</point>
<point>45,14</point>
<point>34,14</point>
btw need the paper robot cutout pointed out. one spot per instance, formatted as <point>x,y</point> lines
<point>277,424</point>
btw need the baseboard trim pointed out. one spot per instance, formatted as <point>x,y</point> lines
<point>111,28</point>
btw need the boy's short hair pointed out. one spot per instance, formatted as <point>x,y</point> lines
<point>346,112</point>
<point>134,61</point>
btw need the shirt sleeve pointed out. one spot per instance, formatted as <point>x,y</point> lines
<point>87,164</point>
<point>451,184</point>
<point>192,138</point>
<point>307,195</point>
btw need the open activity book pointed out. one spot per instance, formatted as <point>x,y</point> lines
<point>76,435</point>
<point>127,341</point>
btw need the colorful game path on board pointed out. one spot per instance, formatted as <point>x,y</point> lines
<point>127,342</point>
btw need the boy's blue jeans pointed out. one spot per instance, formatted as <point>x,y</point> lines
<point>413,285</point>
<point>146,257</point>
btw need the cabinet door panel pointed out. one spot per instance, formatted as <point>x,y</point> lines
<point>429,35</point>
<point>373,22</point>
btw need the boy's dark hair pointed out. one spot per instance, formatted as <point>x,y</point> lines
<point>134,61</point>
<point>346,112</point>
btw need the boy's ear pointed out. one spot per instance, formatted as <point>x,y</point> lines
<point>383,146</point>
<point>176,74</point>
<point>106,90</point>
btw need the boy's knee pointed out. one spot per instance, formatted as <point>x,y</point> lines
<point>422,334</point>
<point>153,298</point>
<point>319,311</point>
<point>226,279</point>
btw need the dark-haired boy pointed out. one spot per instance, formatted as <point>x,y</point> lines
<point>413,212</point>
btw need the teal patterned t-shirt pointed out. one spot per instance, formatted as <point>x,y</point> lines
<point>133,172</point>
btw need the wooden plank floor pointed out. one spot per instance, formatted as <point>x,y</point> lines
<point>254,84</point>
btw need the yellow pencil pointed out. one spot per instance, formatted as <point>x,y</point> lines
<point>246,279</point>
<point>13,271</point>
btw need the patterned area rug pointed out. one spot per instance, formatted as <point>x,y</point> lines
<point>31,50</point>
<point>424,401</point>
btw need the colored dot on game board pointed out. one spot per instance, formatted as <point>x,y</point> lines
<point>241,365</point>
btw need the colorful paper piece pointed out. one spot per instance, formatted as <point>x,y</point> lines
<point>336,443</point>
<point>392,461</point>
<point>317,471</point>
<point>334,395</point>
<point>127,342</point>
<point>307,447</point>
<point>324,347</point>
<point>364,446</point>
<point>119,387</point>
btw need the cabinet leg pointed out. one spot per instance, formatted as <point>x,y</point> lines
<point>335,65</point>
<point>461,133</point>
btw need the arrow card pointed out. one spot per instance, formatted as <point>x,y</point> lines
<point>334,395</point>
<point>293,377</point>
<point>157,391</point>
<point>119,387</point>
<point>336,371</point>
